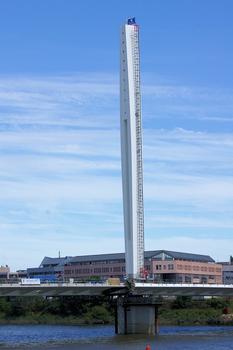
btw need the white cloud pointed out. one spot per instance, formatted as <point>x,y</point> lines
<point>60,166</point>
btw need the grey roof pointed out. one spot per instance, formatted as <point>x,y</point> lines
<point>55,261</point>
<point>98,257</point>
<point>181,256</point>
<point>148,254</point>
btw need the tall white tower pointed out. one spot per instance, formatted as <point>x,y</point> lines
<point>131,149</point>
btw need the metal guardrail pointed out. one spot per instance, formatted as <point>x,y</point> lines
<point>88,289</point>
<point>105,284</point>
<point>201,285</point>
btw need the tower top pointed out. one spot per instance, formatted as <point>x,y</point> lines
<point>131,21</point>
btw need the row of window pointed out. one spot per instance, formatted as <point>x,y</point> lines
<point>201,279</point>
<point>169,267</point>
<point>198,268</point>
<point>95,270</point>
<point>159,267</point>
<point>103,262</point>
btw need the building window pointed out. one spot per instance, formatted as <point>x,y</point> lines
<point>203,279</point>
<point>179,279</point>
<point>170,267</point>
<point>97,270</point>
<point>105,269</point>
<point>196,278</point>
<point>158,267</point>
<point>117,269</point>
<point>162,256</point>
<point>187,279</point>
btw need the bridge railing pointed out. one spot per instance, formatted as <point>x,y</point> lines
<point>105,283</point>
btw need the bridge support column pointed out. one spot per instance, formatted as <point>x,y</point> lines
<point>137,315</point>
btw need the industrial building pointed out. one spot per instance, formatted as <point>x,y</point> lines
<point>227,271</point>
<point>160,266</point>
<point>50,269</point>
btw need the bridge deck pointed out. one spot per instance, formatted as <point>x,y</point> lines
<point>82,289</point>
<point>184,289</point>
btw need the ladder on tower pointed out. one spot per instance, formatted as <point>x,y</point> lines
<point>140,207</point>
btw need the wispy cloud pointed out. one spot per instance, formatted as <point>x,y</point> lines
<point>190,104</point>
<point>60,164</point>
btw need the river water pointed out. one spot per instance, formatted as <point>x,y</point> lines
<point>102,337</point>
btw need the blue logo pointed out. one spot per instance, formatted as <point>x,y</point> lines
<point>131,20</point>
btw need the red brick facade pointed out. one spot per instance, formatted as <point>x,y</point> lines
<point>160,268</point>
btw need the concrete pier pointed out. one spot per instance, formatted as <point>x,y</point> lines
<point>137,315</point>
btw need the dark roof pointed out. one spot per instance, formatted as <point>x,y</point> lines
<point>98,257</point>
<point>181,256</point>
<point>148,254</point>
<point>55,261</point>
<point>224,263</point>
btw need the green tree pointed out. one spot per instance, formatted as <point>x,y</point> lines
<point>5,306</point>
<point>182,302</point>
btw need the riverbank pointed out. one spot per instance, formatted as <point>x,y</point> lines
<point>47,319</point>
<point>76,311</point>
<point>66,311</point>
<point>192,317</point>
<point>171,318</point>
<point>187,312</point>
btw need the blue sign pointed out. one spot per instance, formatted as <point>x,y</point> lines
<point>132,20</point>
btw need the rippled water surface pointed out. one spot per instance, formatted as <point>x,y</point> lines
<point>103,337</point>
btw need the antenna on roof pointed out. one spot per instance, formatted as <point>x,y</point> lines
<point>59,254</point>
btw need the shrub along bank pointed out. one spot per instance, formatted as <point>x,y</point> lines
<point>75,310</point>
<point>67,310</point>
<point>185,311</point>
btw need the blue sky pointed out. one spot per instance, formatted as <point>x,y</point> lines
<point>60,174</point>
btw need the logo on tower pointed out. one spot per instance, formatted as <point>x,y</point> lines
<point>131,21</point>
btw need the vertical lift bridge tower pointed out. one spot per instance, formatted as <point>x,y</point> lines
<point>135,314</point>
<point>131,149</point>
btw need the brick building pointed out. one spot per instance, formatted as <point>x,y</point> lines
<point>4,272</point>
<point>161,266</point>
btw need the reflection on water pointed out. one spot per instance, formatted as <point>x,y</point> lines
<point>103,337</point>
